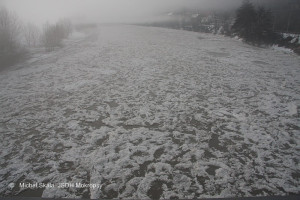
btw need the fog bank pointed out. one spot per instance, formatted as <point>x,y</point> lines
<point>107,11</point>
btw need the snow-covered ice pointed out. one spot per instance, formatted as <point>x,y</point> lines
<point>152,113</point>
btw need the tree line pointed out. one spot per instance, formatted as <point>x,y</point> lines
<point>254,25</point>
<point>16,37</point>
<point>257,26</point>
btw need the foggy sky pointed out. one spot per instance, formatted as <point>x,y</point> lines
<point>106,11</point>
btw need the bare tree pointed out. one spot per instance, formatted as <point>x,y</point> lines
<point>10,28</point>
<point>65,26</point>
<point>31,35</point>
<point>53,34</point>
<point>51,38</point>
<point>10,46</point>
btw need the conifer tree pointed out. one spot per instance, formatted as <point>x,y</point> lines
<point>253,25</point>
<point>263,27</point>
<point>244,25</point>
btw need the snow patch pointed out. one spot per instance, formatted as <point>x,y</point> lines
<point>282,49</point>
<point>292,108</point>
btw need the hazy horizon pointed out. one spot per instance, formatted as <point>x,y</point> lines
<point>106,11</point>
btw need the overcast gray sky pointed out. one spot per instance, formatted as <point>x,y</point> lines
<point>39,11</point>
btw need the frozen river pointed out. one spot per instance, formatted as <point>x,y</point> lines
<point>152,113</point>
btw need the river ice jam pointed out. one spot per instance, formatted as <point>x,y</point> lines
<point>134,112</point>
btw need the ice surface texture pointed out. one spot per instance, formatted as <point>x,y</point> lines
<point>153,113</point>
